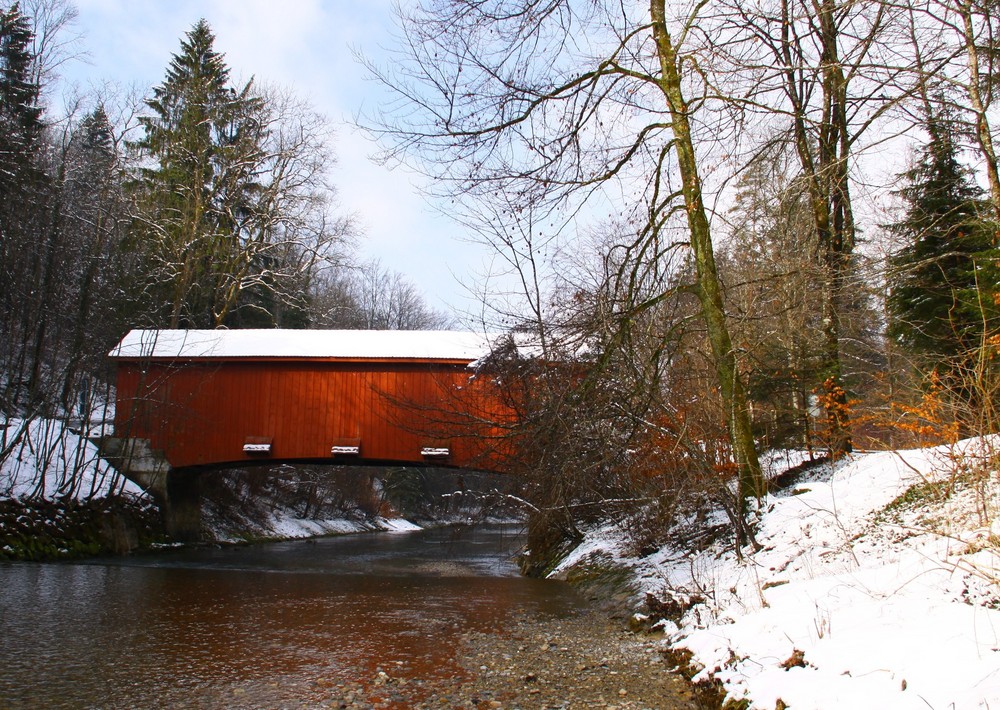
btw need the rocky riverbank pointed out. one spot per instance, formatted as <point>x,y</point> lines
<point>582,662</point>
<point>39,530</point>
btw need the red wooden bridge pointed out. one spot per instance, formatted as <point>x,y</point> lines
<point>209,398</point>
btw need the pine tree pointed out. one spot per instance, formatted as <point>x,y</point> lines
<point>23,198</point>
<point>199,198</point>
<point>20,114</point>
<point>20,123</point>
<point>944,276</point>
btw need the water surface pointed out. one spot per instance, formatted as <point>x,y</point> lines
<point>261,626</point>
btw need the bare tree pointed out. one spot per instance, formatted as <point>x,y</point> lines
<point>769,270</point>
<point>298,236</point>
<point>957,48</point>
<point>821,76</point>
<point>562,108</point>
<point>372,297</point>
<point>56,40</point>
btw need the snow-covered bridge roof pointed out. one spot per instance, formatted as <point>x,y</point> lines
<point>306,344</point>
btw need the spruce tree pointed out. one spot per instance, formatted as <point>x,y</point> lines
<point>944,276</point>
<point>199,196</point>
<point>20,114</point>
<point>23,199</point>
<point>20,123</point>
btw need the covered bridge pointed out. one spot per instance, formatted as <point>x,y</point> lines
<point>188,399</point>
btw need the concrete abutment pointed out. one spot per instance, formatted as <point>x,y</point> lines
<point>177,492</point>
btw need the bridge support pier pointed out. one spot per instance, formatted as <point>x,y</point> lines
<point>181,508</point>
<point>177,493</point>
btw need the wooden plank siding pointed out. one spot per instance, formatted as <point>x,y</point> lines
<point>201,411</point>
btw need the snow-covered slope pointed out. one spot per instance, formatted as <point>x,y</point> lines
<point>876,586</point>
<point>48,459</point>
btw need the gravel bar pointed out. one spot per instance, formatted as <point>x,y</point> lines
<point>585,661</point>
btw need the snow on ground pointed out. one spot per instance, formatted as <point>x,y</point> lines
<point>284,524</point>
<point>45,454</point>
<point>861,596</point>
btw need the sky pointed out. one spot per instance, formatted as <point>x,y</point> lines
<point>308,46</point>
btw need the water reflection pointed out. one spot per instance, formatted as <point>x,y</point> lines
<point>203,627</point>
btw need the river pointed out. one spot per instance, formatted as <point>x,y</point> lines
<point>271,625</point>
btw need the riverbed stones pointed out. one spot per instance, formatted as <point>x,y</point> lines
<point>588,662</point>
<point>584,661</point>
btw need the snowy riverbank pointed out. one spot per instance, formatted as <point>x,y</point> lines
<point>60,499</point>
<point>285,524</point>
<point>876,586</point>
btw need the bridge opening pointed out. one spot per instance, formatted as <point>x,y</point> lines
<point>272,500</point>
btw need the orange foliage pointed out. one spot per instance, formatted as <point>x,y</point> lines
<point>925,420</point>
<point>837,408</point>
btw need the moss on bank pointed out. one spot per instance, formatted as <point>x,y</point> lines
<point>603,581</point>
<point>39,530</point>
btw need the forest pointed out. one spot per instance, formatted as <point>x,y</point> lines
<point>202,204</point>
<point>727,228</point>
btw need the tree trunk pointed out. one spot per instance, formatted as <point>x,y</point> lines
<point>984,134</point>
<point>826,174</point>
<point>751,479</point>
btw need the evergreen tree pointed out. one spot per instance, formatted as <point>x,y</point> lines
<point>944,276</point>
<point>20,125</point>
<point>232,198</point>
<point>200,197</point>
<point>23,198</point>
<point>20,114</point>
